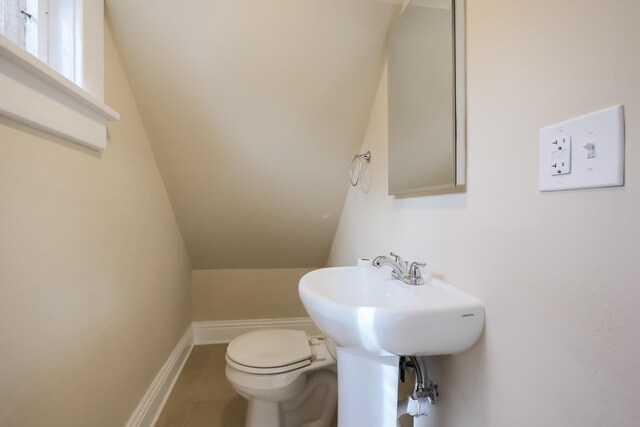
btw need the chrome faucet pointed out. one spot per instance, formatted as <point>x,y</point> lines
<point>401,270</point>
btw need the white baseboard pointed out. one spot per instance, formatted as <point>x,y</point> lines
<point>150,407</point>
<point>223,331</point>
<point>213,332</point>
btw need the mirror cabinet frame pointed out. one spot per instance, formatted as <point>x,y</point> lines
<point>460,119</point>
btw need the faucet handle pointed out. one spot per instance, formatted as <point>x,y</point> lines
<point>415,274</point>
<point>414,269</point>
<point>415,277</point>
<point>398,259</point>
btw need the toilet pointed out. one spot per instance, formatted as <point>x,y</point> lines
<point>288,378</point>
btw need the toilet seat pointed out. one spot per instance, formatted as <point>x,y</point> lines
<point>270,351</point>
<point>267,371</point>
<point>275,351</point>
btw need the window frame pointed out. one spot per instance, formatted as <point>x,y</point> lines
<point>37,95</point>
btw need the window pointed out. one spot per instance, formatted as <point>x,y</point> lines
<point>51,37</point>
<point>62,90</point>
<point>24,22</point>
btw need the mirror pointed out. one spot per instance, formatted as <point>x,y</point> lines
<point>426,98</point>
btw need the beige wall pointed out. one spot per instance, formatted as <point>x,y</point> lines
<point>94,276</point>
<point>238,294</point>
<point>271,99</point>
<point>559,272</point>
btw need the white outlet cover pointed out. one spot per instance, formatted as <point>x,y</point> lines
<point>597,151</point>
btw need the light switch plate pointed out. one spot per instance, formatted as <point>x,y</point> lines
<point>585,152</point>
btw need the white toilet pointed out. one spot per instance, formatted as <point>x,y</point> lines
<point>289,379</point>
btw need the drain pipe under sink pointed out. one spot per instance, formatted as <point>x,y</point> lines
<point>418,420</point>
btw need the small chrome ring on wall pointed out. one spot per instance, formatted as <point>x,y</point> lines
<point>355,172</point>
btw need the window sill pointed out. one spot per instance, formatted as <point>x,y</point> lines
<point>36,95</point>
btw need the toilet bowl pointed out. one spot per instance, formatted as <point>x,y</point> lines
<point>288,378</point>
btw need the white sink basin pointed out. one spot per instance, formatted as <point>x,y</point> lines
<point>365,308</point>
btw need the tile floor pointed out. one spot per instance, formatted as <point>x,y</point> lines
<point>202,396</point>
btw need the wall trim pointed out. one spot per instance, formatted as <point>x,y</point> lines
<point>32,89</point>
<point>150,407</point>
<point>223,331</point>
<point>198,333</point>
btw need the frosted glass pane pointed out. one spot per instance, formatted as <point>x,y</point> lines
<point>31,27</point>
<point>19,23</point>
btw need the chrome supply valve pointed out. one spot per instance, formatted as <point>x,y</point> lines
<point>430,391</point>
<point>424,389</point>
<point>401,270</point>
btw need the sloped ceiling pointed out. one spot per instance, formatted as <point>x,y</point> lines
<point>254,109</point>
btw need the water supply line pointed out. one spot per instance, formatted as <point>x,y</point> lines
<point>424,387</point>
<point>424,394</point>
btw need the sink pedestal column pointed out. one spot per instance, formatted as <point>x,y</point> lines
<point>367,389</point>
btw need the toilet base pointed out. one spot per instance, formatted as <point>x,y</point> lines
<point>314,407</point>
<point>263,413</point>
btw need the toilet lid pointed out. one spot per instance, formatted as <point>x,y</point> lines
<point>270,348</point>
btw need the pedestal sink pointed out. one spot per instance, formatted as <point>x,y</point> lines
<point>374,319</point>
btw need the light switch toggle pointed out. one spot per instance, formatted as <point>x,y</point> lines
<point>591,150</point>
